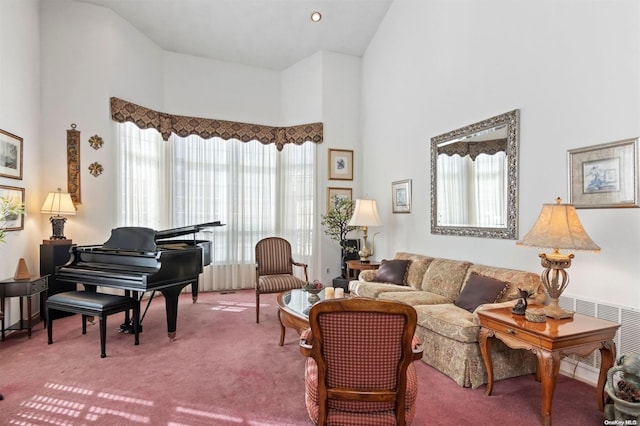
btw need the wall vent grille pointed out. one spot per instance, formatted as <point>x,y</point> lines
<point>627,338</point>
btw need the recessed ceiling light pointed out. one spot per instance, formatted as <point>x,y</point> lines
<point>316,16</point>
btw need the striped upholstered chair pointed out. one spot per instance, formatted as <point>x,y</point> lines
<point>359,369</point>
<point>274,269</point>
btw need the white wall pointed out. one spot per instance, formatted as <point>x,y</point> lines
<point>206,88</point>
<point>326,87</point>
<point>341,83</point>
<point>90,54</point>
<point>573,70</point>
<point>20,115</point>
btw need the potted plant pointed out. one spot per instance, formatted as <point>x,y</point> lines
<point>623,388</point>
<point>10,209</point>
<point>336,226</point>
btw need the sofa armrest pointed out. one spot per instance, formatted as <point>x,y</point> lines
<point>367,275</point>
<point>487,306</point>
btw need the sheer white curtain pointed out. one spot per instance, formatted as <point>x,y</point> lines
<point>141,162</point>
<point>252,188</point>
<point>490,186</point>
<point>471,192</point>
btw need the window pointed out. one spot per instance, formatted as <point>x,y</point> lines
<point>254,189</point>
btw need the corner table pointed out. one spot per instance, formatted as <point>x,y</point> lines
<point>550,341</point>
<point>356,265</point>
<point>29,287</point>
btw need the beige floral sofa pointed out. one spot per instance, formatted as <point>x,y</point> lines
<point>449,332</point>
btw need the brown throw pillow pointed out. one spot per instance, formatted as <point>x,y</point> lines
<point>392,271</point>
<point>479,289</point>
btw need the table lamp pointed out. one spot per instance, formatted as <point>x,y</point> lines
<point>59,204</point>
<point>365,214</point>
<point>558,228</point>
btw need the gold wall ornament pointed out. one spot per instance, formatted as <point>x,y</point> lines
<point>96,142</point>
<point>73,163</point>
<point>96,169</point>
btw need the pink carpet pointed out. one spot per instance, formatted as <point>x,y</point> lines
<point>223,369</point>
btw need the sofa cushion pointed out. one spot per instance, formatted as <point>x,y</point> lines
<point>479,289</point>
<point>416,270</point>
<point>413,297</point>
<point>373,289</point>
<point>392,271</point>
<point>449,321</point>
<point>516,279</point>
<point>445,277</point>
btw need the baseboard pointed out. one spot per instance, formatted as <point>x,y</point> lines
<point>35,320</point>
<point>579,371</point>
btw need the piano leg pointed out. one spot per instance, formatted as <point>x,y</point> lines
<point>171,295</point>
<point>194,291</point>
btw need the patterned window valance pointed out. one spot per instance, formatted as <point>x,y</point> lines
<point>207,128</point>
<point>473,149</point>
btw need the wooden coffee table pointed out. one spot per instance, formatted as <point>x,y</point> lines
<point>293,311</point>
<point>550,341</point>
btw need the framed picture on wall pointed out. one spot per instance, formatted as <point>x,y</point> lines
<point>13,195</point>
<point>10,155</point>
<point>401,196</point>
<point>604,175</point>
<point>340,164</point>
<point>334,194</point>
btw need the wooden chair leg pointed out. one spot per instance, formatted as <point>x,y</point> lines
<point>257,307</point>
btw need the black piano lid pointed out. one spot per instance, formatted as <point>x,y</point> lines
<point>136,238</point>
<point>131,238</point>
<point>185,230</point>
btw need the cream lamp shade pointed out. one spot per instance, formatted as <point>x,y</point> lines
<point>557,228</point>
<point>365,214</point>
<point>58,204</point>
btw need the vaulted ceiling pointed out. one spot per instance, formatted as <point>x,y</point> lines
<point>272,34</point>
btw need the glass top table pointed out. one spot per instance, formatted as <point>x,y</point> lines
<point>293,310</point>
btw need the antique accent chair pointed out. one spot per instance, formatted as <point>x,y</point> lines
<point>274,269</point>
<point>359,369</point>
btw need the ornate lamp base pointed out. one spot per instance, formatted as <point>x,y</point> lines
<point>57,225</point>
<point>555,280</point>
<point>553,310</point>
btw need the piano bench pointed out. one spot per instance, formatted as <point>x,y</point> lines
<point>93,304</point>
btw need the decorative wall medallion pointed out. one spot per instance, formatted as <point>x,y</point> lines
<point>96,169</point>
<point>73,163</point>
<point>96,142</point>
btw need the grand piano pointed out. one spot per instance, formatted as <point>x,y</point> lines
<point>138,260</point>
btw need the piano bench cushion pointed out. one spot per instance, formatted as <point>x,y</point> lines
<point>88,303</point>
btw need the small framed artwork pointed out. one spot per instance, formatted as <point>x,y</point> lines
<point>10,155</point>
<point>14,222</point>
<point>401,196</point>
<point>334,194</point>
<point>340,164</point>
<point>604,175</point>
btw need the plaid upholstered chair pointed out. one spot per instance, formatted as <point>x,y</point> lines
<point>274,269</point>
<point>360,367</point>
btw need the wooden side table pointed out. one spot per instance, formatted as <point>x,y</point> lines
<point>54,253</point>
<point>22,288</point>
<point>550,341</point>
<point>356,266</point>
